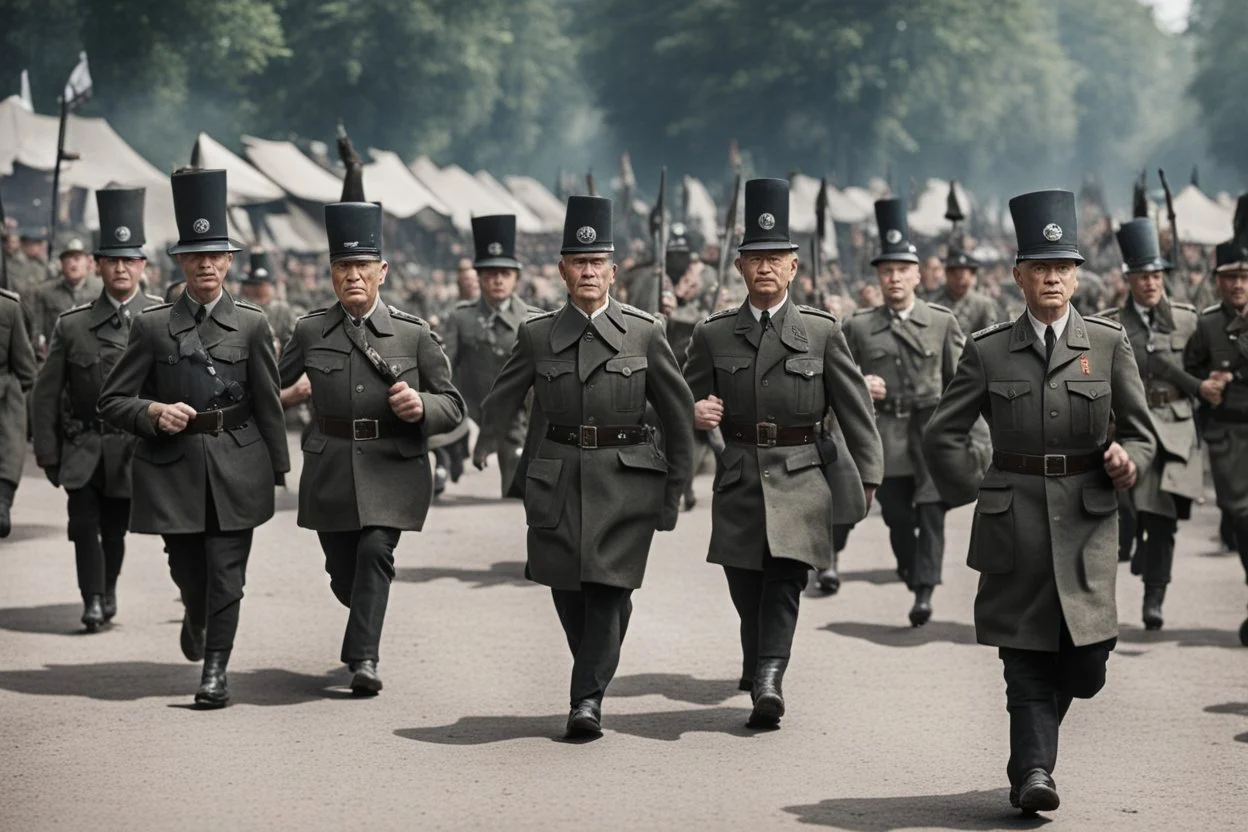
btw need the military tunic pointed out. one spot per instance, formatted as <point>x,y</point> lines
<point>1045,546</point>
<point>17,376</point>
<point>57,296</point>
<point>974,311</point>
<point>1219,344</point>
<point>282,317</point>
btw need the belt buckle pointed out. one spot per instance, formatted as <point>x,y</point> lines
<point>589,436</point>
<point>765,434</point>
<point>1054,465</point>
<point>220,425</point>
<point>364,429</point>
<point>902,411</point>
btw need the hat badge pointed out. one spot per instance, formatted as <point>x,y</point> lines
<point>1052,232</point>
<point>893,236</point>
<point>586,234</point>
<point>494,249</point>
<point>201,226</point>
<point>122,234</point>
<point>766,221</point>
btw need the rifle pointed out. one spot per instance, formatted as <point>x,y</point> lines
<point>1174,224</point>
<point>821,232</point>
<point>725,248</point>
<point>590,184</point>
<point>628,186</point>
<point>658,233</point>
<point>353,179</point>
<point>4,258</point>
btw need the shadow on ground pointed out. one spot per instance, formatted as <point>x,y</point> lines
<point>504,573</point>
<point>678,687</point>
<point>666,726</point>
<point>952,632</point>
<point>49,619</point>
<point>466,501</point>
<point>130,681</point>
<point>32,531</point>
<point>1190,637</point>
<point>979,810</point>
<point>871,576</point>
<point>1236,708</point>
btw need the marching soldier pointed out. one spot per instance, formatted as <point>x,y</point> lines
<point>197,384</point>
<point>974,310</point>
<point>908,350</point>
<point>17,376</point>
<point>766,374</point>
<point>76,450</point>
<point>1045,535</point>
<point>381,386</point>
<point>479,334</point>
<point>596,485</point>
<point>73,288</point>
<point>1159,329</point>
<point>257,287</point>
<point>1217,353</point>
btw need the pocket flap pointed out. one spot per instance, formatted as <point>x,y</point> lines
<point>805,366</point>
<point>314,444</point>
<point>1089,389</point>
<point>159,452</point>
<point>802,457</point>
<point>1178,341</point>
<point>733,363</point>
<point>326,362</point>
<point>400,364</point>
<point>644,457</point>
<point>877,353</point>
<point>727,475</point>
<point>626,365</point>
<point>1009,389</point>
<point>1099,500</point>
<point>545,470</point>
<point>82,358</point>
<point>552,369</point>
<point>994,500</point>
<point>229,353</point>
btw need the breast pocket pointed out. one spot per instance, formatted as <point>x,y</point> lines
<point>733,378</point>
<point>405,368</point>
<point>231,360</point>
<point>1089,407</point>
<point>1009,400</point>
<point>628,382</point>
<point>805,383</point>
<point>554,382</point>
<point>83,367</point>
<point>880,361</point>
<point>324,362</point>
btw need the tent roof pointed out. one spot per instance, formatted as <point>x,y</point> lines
<point>517,206</point>
<point>928,217</point>
<point>804,194</point>
<point>247,186</point>
<point>548,207</point>
<point>388,181</point>
<point>294,172</point>
<point>702,215</point>
<point>296,231</point>
<point>1200,219</point>
<point>467,197</point>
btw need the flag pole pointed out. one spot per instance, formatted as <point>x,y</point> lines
<point>56,175</point>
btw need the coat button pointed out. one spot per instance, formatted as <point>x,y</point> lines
<point>589,420</point>
<point>626,372</point>
<point>809,373</point>
<point>1093,394</point>
<point>766,473</point>
<point>1052,414</point>
<point>173,360</point>
<point>359,450</point>
<point>589,336</point>
<point>359,388</point>
<point>1052,385</point>
<point>764,382</point>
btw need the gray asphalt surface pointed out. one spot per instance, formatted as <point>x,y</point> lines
<point>887,728</point>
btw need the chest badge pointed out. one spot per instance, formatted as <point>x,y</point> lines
<point>1084,366</point>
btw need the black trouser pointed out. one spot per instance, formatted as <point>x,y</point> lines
<point>1039,687</point>
<point>97,526</point>
<point>916,532</point>
<point>1129,533</point>
<point>767,601</point>
<point>1156,547</point>
<point>1241,540</point>
<point>361,566</point>
<point>210,568</point>
<point>840,536</point>
<point>595,620</point>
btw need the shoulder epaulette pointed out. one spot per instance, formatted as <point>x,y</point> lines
<point>464,304</point>
<point>154,298</point>
<point>1096,319</point>
<point>940,308</point>
<point>1208,310</point>
<point>1111,313</point>
<point>822,313</point>
<point>11,295</point>
<point>723,313</point>
<point>243,304</point>
<point>82,307</point>
<point>1178,304</point>
<point>864,310</point>
<point>991,329</point>
<point>315,313</point>
<point>396,312</point>
<point>637,313</point>
<point>157,306</point>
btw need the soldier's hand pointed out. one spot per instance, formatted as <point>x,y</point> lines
<point>53,473</point>
<point>708,413</point>
<point>170,418</point>
<point>406,403</point>
<point>869,492</point>
<point>667,520</point>
<point>876,387</point>
<point>1119,467</point>
<point>1211,391</point>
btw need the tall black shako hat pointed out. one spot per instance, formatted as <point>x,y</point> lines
<point>1141,250</point>
<point>1046,226</point>
<point>354,230</point>
<point>199,203</point>
<point>121,222</point>
<point>259,271</point>
<point>587,226</point>
<point>1232,256</point>
<point>767,216</point>
<point>494,241</point>
<point>895,245</point>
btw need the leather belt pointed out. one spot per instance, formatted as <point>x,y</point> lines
<point>598,436</point>
<point>1158,398</point>
<point>216,420</point>
<point>1229,416</point>
<point>1048,465</point>
<point>769,434</point>
<point>362,430</point>
<point>902,408</point>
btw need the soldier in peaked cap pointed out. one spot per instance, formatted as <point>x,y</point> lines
<point>596,484</point>
<point>766,375</point>
<point>74,287</point>
<point>479,334</point>
<point>197,383</point>
<point>1159,329</point>
<point>77,450</point>
<point>908,350</point>
<point>974,310</point>
<point>258,286</point>
<point>1045,536</point>
<point>17,375</point>
<point>380,386</point>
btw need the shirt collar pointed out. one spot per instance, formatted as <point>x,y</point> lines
<point>1059,326</point>
<point>209,306</point>
<point>367,315</point>
<point>117,304</point>
<point>758,313</point>
<point>597,311</point>
<point>904,314</point>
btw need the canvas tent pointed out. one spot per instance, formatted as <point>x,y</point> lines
<point>928,217</point>
<point>247,186</point>
<point>401,194</point>
<point>538,199</point>
<point>293,172</point>
<point>1200,219</point>
<point>517,206</point>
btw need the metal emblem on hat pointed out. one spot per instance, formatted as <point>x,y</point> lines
<point>1052,232</point>
<point>122,234</point>
<point>893,236</point>
<point>494,249</point>
<point>766,221</point>
<point>201,226</point>
<point>351,244</point>
<point>586,234</point>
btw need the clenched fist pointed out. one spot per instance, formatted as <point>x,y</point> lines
<point>406,403</point>
<point>708,413</point>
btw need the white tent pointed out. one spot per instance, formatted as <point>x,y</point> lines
<point>247,186</point>
<point>517,206</point>
<point>548,207</point>
<point>928,217</point>
<point>1200,219</point>
<point>467,197</point>
<point>702,215</point>
<point>294,172</point>
<point>388,181</point>
<point>804,195</point>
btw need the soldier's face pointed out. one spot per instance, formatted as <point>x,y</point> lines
<point>933,273</point>
<point>1233,287</point>
<point>959,280</point>
<point>36,249</point>
<point>11,244</point>
<point>205,273</point>
<point>1146,287</point>
<point>356,282</point>
<point>767,275</point>
<point>588,278</point>
<point>75,266</point>
<point>897,282</point>
<point>1047,285</point>
<point>498,284</point>
<point>121,275</point>
<point>259,293</point>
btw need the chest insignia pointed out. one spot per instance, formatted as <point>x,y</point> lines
<point>1084,365</point>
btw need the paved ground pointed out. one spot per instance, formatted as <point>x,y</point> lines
<point>888,727</point>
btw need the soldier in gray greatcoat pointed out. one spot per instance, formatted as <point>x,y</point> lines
<point>76,450</point>
<point>973,309</point>
<point>766,374</point>
<point>1045,535</point>
<point>17,376</point>
<point>257,287</point>
<point>197,384</point>
<point>74,287</point>
<point>596,484</point>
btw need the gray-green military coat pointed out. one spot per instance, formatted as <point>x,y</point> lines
<point>974,310</point>
<point>172,473</point>
<point>17,376</point>
<point>778,499</point>
<point>86,343</point>
<point>349,484</point>
<point>916,358</point>
<point>1220,342</point>
<point>1178,468</point>
<point>57,296</point>
<point>1044,546</point>
<point>593,512</point>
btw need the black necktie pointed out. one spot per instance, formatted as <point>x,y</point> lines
<point>1050,340</point>
<point>765,319</point>
<point>200,314</point>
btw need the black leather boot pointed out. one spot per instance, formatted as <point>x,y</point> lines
<point>110,600</point>
<point>7,490</point>
<point>93,612</point>
<point>584,720</point>
<point>1243,633</point>
<point>213,691</point>
<point>365,682</point>
<point>1154,596</point>
<point>921,612</point>
<point>768,694</point>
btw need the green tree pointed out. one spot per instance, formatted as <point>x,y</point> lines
<point>1218,27</point>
